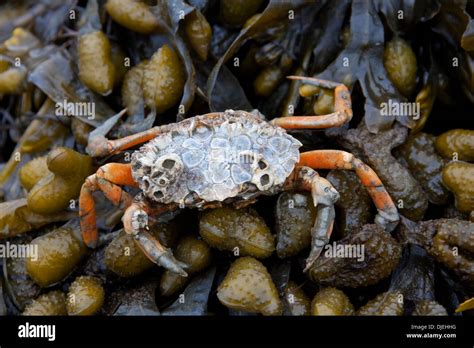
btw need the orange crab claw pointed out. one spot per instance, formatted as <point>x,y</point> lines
<point>324,196</point>
<point>135,223</point>
<point>106,179</point>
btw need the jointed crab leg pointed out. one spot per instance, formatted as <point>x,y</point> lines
<point>106,179</point>
<point>387,215</point>
<point>342,107</point>
<point>324,196</point>
<point>101,146</point>
<point>135,222</point>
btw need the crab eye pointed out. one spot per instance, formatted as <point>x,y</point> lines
<point>262,165</point>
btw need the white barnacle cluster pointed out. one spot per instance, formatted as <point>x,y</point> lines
<point>157,173</point>
<point>214,160</point>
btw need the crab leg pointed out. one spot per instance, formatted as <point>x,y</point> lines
<point>324,196</point>
<point>342,107</point>
<point>100,146</point>
<point>387,215</point>
<point>135,222</point>
<point>107,179</point>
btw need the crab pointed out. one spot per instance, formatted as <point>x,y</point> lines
<point>229,157</point>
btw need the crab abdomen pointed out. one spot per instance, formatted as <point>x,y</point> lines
<point>215,157</point>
